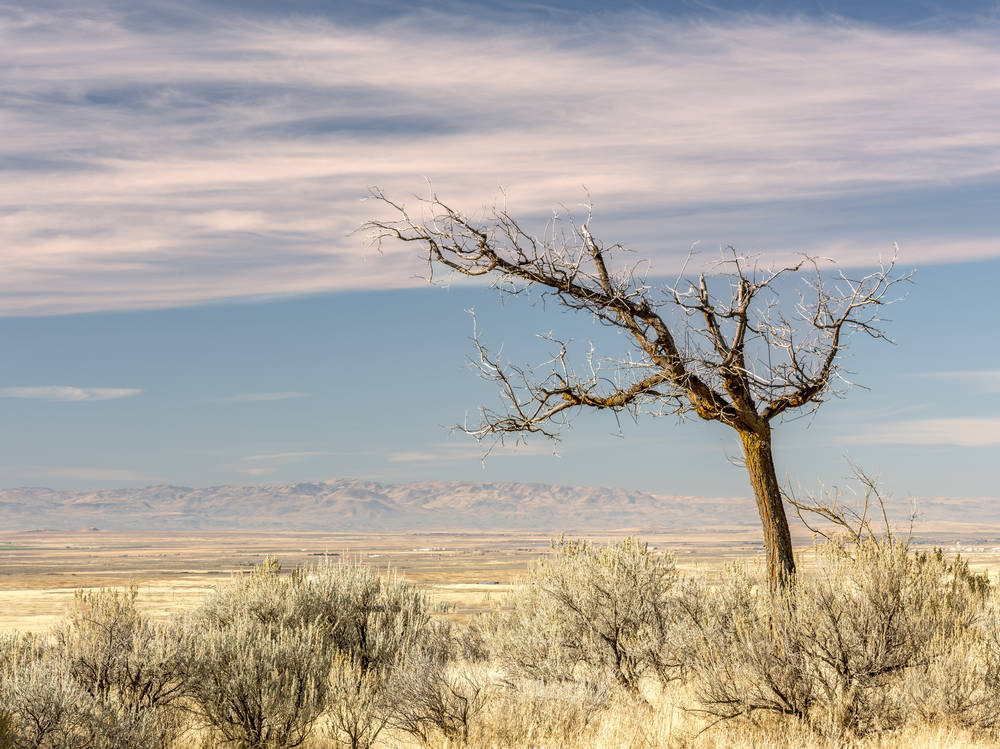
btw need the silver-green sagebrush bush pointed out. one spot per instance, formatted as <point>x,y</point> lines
<point>113,651</point>
<point>108,679</point>
<point>870,637</point>
<point>594,612</point>
<point>42,705</point>
<point>962,683</point>
<point>258,684</point>
<point>835,648</point>
<point>540,714</point>
<point>357,611</point>
<point>271,653</point>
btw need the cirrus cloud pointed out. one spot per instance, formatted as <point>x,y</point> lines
<point>67,394</point>
<point>224,157</point>
<point>987,380</point>
<point>261,397</point>
<point>963,432</point>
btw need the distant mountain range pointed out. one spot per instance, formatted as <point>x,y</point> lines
<point>358,505</point>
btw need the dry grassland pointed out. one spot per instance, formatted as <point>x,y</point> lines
<point>40,570</point>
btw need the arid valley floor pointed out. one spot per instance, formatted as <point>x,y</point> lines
<point>40,570</point>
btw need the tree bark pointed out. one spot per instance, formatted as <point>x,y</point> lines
<point>764,480</point>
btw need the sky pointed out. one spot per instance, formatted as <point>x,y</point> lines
<point>185,297</point>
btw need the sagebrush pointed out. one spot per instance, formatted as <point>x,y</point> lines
<point>599,646</point>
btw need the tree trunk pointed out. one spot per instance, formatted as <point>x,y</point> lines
<point>777,537</point>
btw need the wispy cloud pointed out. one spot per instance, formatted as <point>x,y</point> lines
<point>963,432</point>
<point>260,397</point>
<point>268,463</point>
<point>289,456</point>
<point>449,453</point>
<point>260,470</point>
<point>987,380</point>
<point>67,394</point>
<point>267,132</point>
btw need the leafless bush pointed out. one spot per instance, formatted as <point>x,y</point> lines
<point>603,609</point>
<point>360,703</point>
<point>745,659</point>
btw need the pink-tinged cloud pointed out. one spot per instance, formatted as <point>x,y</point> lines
<point>229,159</point>
<point>963,432</point>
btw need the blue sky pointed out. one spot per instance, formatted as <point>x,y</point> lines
<point>184,299</point>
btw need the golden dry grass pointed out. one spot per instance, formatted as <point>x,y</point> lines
<point>663,724</point>
<point>174,571</point>
<point>40,570</point>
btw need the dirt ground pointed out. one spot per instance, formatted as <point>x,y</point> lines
<point>40,570</point>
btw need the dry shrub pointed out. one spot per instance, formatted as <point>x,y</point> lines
<point>534,713</point>
<point>834,648</point>
<point>108,678</point>
<point>435,695</point>
<point>376,620</point>
<point>272,652</point>
<point>360,704</point>
<point>20,648</point>
<point>114,724</point>
<point>877,642</point>
<point>45,708</point>
<point>372,618</point>
<point>257,684</point>
<point>117,654</point>
<point>961,685</point>
<point>599,610</point>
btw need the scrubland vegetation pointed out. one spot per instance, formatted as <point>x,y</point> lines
<point>601,646</point>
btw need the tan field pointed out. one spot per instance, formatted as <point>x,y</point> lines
<point>40,570</point>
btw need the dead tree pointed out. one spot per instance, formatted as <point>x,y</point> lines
<point>741,357</point>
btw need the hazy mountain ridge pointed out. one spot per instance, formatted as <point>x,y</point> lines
<point>354,504</point>
<point>362,505</point>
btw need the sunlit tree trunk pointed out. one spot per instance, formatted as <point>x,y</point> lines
<point>764,480</point>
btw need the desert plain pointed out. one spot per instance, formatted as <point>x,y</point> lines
<point>468,570</point>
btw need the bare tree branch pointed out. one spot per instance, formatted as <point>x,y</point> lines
<point>847,521</point>
<point>722,345</point>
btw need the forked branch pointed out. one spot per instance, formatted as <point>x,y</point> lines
<point>721,345</point>
<point>829,516</point>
